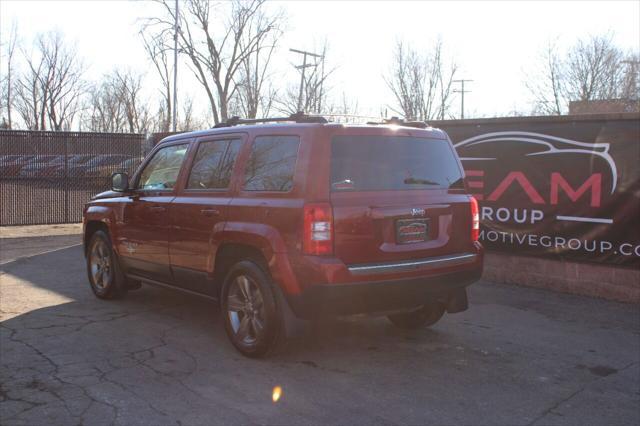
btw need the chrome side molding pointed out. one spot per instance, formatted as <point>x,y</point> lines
<point>413,265</point>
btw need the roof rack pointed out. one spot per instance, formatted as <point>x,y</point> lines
<point>298,117</point>
<point>395,121</point>
<point>301,117</point>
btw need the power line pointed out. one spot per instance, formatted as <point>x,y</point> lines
<point>303,67</point>
<point>462,92</point>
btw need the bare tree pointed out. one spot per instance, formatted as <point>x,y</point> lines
<point>48,93</point>
<point>347,107</point>
<point>105,111</point>
<point>594,69</point>
<point>407,81</point>
<point>158,48</point>
<point>630,86</point>
<point>188,122</point>
<point>116,105</point>
<point>286,100</point>
<point>217,51</point>
<point>421,84</point>
<point>444,76</point>
<point>255,95</point>
<point>63,84</point>
<point>547,82</point>
<point>136,110</point>
<point>591,69</point>
<point>315,90</point>
<point>343,110</point>
<point>30,97</point>
<point>7,82</point>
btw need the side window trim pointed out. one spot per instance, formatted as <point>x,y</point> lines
<point>196,146</point>
<point>135,178</point>
<point>136,181</point>
<point>243,187</point>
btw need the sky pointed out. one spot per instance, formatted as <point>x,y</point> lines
<point>494,43</point>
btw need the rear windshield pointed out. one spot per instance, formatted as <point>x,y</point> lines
<point>379,163</point>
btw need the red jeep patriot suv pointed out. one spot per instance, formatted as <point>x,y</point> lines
<point>287,221</point>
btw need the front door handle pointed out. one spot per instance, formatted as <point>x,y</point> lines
<point>158,209</point>
<point>210,212</point>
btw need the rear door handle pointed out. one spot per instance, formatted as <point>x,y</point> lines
<point>210,212</point>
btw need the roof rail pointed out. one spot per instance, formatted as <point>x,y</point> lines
<point>395,121</point>
<point>298,117</point>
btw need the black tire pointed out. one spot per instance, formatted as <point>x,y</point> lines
<point>253,323</point>
<point>111,283</point>
<point>426,316</point>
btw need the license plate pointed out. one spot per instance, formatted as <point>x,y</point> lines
<point>412,231</point>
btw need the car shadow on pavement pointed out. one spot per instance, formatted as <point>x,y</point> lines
<point>57,339</point>
<point>53,305</point>
<point>160,356</point>
<point>60,277</point>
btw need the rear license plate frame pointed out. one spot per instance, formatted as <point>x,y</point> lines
<point>405,235</point>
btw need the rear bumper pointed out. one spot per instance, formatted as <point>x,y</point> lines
<point>380,296</point>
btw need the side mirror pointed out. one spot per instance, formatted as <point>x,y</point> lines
<point>119,182</point>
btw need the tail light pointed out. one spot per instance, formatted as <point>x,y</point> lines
<point>318,229</point>
<point>475,220</point>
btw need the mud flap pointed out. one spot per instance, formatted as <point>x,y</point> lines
<point>291,324</point>
<point>457,301</point>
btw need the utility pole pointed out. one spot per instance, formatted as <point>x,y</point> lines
<point>462,92</point>
<point>303,67</point>
<point>321,85</point>
<point>175,68</point>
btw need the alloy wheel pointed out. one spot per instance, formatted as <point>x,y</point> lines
<point>245,308</point>
<point>100,264</point>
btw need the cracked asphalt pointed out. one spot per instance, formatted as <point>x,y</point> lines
<point>518,356</point>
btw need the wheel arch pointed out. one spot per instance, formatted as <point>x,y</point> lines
<point>96,218</point>
<point>229,253</point>
<point>90,228</point>
<point>260,243</point>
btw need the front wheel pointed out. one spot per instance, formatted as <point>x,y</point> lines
<point>252,318</point>
<point>105,276</point>
<point>426,316</point>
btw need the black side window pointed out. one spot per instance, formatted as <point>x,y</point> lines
<point>213,164</point>
<point>161,172</point>
<point>272,163</point>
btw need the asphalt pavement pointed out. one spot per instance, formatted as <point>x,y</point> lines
<point>518,356</point>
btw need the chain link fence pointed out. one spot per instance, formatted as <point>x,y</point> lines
<point>47,177</point>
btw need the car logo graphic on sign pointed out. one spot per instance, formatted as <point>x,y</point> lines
<point>417,212</point>
<point>572,178</point>
<point>538,145</point>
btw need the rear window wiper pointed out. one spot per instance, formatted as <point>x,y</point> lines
<point>419,181</point>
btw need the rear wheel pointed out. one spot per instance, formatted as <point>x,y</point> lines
<point>105,276</point>
<point>426,316</point>
<point>252,318</point>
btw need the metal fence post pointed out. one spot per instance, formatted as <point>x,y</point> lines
<point>65,180</point>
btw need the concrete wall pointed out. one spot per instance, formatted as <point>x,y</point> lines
<point>620,284</point>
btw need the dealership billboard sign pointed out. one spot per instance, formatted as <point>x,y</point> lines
<point>566,187</point>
